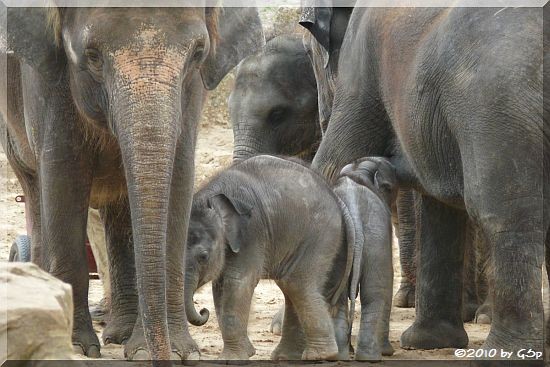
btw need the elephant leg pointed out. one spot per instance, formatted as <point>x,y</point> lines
<point>314,316</point>
<point>293,340</point>
<point>96,237</point>
<point>217,292</point>
<point>547,253</point>
<point>124,297</point>
<point>438,322</point>
<point>65,188</point>
<point>276,326</point>
<point>508,210</point>
<point>341,320</point>
<point>484,280</point>
<point>238,287</point>
<point>31,190</point>
<point>470,301</point>
<point>406,231</point>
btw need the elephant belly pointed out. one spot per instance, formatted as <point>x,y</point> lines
<point>433,155</point>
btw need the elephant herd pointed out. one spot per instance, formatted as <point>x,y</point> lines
<point>432,118</point>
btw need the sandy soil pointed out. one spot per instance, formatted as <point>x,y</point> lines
<point>214,152</point>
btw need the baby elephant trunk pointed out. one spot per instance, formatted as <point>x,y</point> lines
<point>195,318</point>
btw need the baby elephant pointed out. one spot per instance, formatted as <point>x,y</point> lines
<point>271,218</point>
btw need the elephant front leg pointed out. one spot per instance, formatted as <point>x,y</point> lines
<point>438,322</point>
<point>124,297</point>
<point>234,310</point>
<point>65,186</point>
<point>340,319</point>
<point>406,228</point>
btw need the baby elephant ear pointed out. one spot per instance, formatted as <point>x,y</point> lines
<point>234,212</point>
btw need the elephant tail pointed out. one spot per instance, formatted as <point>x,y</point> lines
<point>355,243</point>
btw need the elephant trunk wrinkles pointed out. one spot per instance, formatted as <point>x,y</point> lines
<point>148,127</point>
<point>191,283</point>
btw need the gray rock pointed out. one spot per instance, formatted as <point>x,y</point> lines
<point>38,321</point>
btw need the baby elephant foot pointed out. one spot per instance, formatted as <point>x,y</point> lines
<point>321,353</point>
<point>235,355</point>
<point>286,353</point>
<point>435,335</point>
<point>85,342</point>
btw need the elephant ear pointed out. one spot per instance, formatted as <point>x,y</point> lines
<point>316,17</point>
<point>327,24</point>
<point>236,34</point>
<point>31,35</point>
<point>234,212</point>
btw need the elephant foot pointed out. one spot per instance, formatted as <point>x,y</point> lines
<point>387,349</point>
<point>370,356</point>
<point>434,335</point>
<point>276,326</point>
<point>85,342</point>
<point>484,314</point>
<point>250,348</point>
<point>100,312</point>
<point>513,344</point>
<point>328,352</point>
<point>234,355</point>
<point>118,330</point>
<point>404,298</point>
<point>286,353</point>
<point>469,311</point>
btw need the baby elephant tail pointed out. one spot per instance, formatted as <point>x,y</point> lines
<point>355,242</point>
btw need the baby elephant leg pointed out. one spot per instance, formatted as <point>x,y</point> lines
<point>234,310</point>
<point>340,320</point>
<point>293,340</point>
<point>376,289</point>
<point>313,312</point>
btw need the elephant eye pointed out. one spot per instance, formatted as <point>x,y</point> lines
<point>198,54</point>
<point>202,257</point>
<point>94,60</point>
<point>276,116</point>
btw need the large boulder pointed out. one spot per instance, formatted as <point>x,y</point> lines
<point>38,322</point>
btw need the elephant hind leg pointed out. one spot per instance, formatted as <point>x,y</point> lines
<point>313,312</point>
<point>293,340</point>
<point>438,322</point>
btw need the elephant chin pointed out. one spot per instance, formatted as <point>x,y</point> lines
<point>197,319</point>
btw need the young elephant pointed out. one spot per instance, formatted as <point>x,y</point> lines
<point>271,218</point>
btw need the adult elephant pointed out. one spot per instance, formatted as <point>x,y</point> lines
<point>102,111</point>
<point>273,104</point>
<point>433,89</point>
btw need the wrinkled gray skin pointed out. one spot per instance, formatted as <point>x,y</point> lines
<point>327,28</point>
<point>367,188</point>
<point>431,88</point>
<point>102,111</point>
<point>271,218</point>
<point>273,104</point>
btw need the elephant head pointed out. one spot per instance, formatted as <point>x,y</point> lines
<point>273,106</point>
<point>215,228</point>
<point>137,77</point>
<point>375,173</point>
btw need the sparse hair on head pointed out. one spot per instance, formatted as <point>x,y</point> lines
<point>55,21</point>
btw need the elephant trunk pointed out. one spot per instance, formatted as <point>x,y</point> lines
<point>191,283</point>
<point>147,124</point>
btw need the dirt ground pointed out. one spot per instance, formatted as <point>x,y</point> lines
<point>214,152</point>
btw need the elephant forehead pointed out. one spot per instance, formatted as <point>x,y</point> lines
<point>148,53</point>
